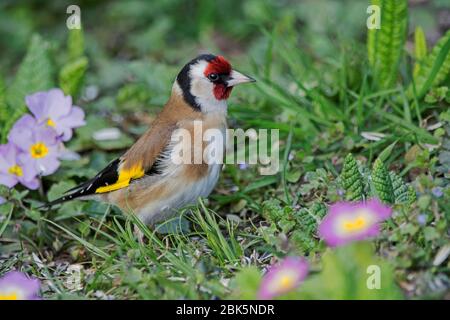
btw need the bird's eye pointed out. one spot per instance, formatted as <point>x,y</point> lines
<point>213,76</point>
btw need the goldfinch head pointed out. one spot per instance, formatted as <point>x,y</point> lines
<point>206,82</point>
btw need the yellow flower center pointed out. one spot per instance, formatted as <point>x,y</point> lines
<point>12,296</point>
<point>286,282</point>
<point>50,122</point>
<point>355,225</point>
<point>38,150</point>
<point>16,170</point>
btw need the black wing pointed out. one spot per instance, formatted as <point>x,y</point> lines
<point>107,176</point>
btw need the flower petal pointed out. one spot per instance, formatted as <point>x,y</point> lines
<point>32,184</point>
<point>47,165</point>
<point>283,278</point>
<point>58,105</point>
<point>7,156</point>
<point>21,133</point>
<point>65,124</point>
<point>37,104</point>
<point>347,222</point>
<point>17,283</point>
<point>8,180</point>
<point>45,135</point>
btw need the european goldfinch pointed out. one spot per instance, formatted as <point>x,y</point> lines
<point>145,181</point>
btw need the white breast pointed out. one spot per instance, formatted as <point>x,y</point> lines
<point>182,195</point>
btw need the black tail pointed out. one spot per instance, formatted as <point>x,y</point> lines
<point>63,199</point>
<point>107,176</point>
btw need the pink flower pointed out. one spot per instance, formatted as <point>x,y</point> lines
<point>284,277</point>
<point>17,286</point>
<point>347,222</point>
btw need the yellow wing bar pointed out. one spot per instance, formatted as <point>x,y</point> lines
<point>125,176</point>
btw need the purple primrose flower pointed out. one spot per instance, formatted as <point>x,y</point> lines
<point>38,143</point>
<point>13,170</point>
<point>55,110</point>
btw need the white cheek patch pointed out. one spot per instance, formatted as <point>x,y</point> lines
<point>202,88</point>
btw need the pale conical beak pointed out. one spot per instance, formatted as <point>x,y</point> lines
<point>238,78</point>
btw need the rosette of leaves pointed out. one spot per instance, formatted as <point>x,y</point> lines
<point>386,185</point>
<point>282,217</point>
<point>301,225</point>
<point>304,236</point>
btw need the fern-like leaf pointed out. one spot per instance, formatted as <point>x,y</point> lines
<point>401,192</point>
<point>306,221</point>
<point>434,69</point>
<point>34,74</point>
<point>318,210</point>
<point>387,43</point>
<point>352,180</point>
<point>382,182</point>
<point>412,197</point>
<point>304,241</point>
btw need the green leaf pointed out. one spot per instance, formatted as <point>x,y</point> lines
<point>352,179</point>
<point>434,69</point>
<point>318,210</point>
<point>420,48</point>
<point>401,191</point>
<point>412,197</point>
<point>58,189</point>
<point>382,182</point>
<point>351,272</point>
<point>35,74</point>
<point>75,44</point>
<point>430,234</point>
<point>271,210</point>
<point>4,112</point>
<point>133,96</point>
<point>372,36</point>
<point>303,241</point>
<point>384,155</point>
<point>386,44</point>
<point>71,76</point>
<point>246,283</point>
<point>306,221</point>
